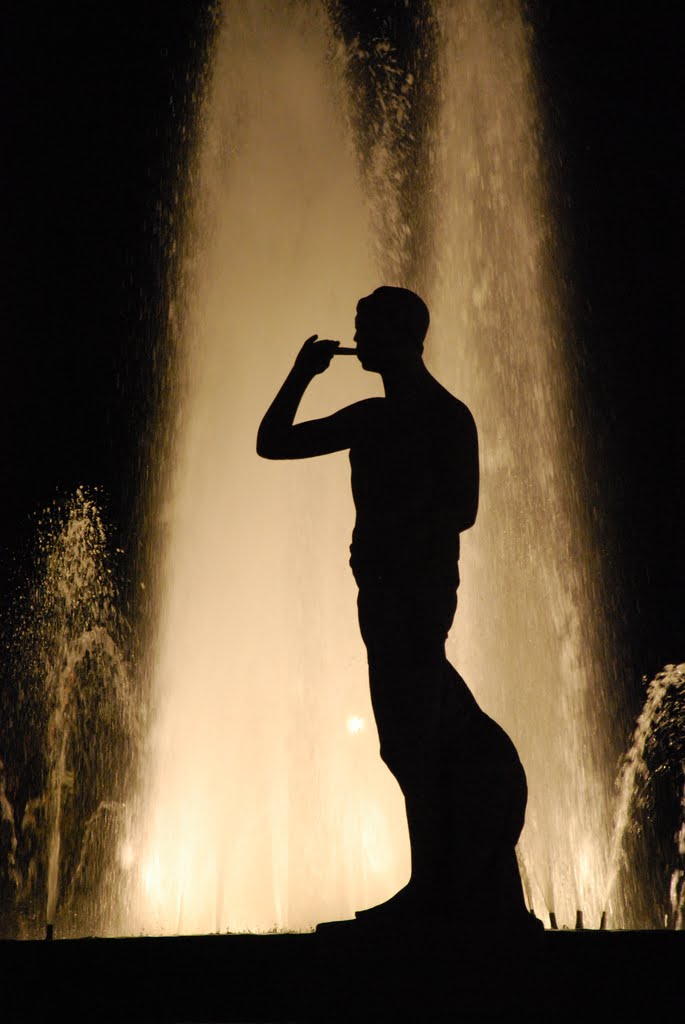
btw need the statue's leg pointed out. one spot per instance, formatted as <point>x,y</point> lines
<point>406,674</point>
<point>486,787</point>
<point>464,787</point>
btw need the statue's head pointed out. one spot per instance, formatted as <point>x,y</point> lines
<point>390,325</point>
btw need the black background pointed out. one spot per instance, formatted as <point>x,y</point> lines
<point>94,100</point>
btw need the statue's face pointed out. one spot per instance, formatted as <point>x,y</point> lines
<point>374,346</point>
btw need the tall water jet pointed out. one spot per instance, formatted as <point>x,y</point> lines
<point>533,636</point>
<point>266,804</point>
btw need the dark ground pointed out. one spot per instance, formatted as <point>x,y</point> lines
<point>300,978</point>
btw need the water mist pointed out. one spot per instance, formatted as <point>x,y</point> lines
<point>533,635</point>
<point>266,804</point>
<point>76,691</point>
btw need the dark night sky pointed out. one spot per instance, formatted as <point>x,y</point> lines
<point>93,98</point>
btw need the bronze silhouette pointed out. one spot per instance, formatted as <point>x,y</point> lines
<point>414,462</point>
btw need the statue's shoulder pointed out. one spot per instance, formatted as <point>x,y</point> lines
<point>452,411</point>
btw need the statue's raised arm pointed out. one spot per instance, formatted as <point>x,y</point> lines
<point>279,437</point>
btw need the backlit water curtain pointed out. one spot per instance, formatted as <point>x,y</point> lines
<point>245,792</point>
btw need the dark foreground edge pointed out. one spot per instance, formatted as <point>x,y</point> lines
<point>302,978</point>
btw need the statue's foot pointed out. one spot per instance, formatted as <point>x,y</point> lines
<point>411,904</point>
<point>338,928</point>
<point>402,908</point>
<point>401,902</point>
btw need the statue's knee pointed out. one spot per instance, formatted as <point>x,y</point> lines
<point>413,772</point>
<point>389,757</point>
<point>397,760</point>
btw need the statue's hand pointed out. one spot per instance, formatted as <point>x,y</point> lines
<point>315,356</point>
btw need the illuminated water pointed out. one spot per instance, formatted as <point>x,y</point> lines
<point>263,808</point>
<point>657,751</point>
<point>83,733</point>
<point>533,637</point>
<point>264,803</point>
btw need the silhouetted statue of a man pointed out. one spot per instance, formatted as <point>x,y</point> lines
<point>414,460</point>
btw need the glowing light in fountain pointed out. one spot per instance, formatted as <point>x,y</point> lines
<point>531,637</point>
<point>266,804</point>
<point>264,807</point>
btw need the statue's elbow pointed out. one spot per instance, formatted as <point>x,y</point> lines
<point>267,448</point>
<point>264,450</point>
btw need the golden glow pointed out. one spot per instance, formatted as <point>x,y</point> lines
<point>127,855</point>
<point>260,775</point>
<point>532,636</point>
<point>259,812</point>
